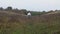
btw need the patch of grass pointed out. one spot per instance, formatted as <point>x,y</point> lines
<point>16,24</point>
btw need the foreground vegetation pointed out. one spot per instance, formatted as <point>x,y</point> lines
<point>12,22</point>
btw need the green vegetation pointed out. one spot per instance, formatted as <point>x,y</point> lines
<point>12,22</point>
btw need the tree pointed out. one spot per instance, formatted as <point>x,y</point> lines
<point>56,10</point>
<point>50,11</point>
<point>24,11</point>
<point>44,11</point>
<point>8,8</point>
<point>1,8</point>
<point>16,9</point>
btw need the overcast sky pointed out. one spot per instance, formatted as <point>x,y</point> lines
<point>31,4</point>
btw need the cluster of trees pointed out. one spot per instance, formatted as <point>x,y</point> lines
<point>24,11</point>
<point>8,8</point>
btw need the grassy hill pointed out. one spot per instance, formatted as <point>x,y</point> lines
<point>15,23</point>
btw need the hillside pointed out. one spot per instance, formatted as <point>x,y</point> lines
<point>14,23</point>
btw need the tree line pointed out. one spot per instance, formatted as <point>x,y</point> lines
<point>24,11</point>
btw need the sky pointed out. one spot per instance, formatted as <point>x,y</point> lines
<point>33,5</point>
